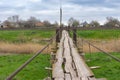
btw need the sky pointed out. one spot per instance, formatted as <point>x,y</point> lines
<point>82,10</point>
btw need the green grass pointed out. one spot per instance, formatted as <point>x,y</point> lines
<point>99,34</point>
<point>34,71</point>
<point>109,68</point>
<point>25,35</point>
<point>22,36</point>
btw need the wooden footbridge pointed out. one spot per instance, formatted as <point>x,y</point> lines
<point>67,62</point>
<point>69,65</point>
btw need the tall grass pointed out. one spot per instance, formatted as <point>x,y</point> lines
<point>26,48</point>
<point>106,45</point>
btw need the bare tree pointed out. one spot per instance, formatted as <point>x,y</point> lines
<point>7,24</point>
<point>31,22</point>
<point>94,24</point>
<point>13,21</point>
<point>1,25</point>
<point>14,18</point>
<point>46,23</point>
<point>73,22</point>
<point>56,24</point>
<point>112,22</point>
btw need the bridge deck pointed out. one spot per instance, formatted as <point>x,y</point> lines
<point>69,64</point>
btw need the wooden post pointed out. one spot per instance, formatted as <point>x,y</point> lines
<point>60,33</point>
<point>68,29</point>
<point>75,36</point>
<point>57,35</point>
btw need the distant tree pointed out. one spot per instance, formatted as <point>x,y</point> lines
<point>31,22</point>
<point>33,19</point>
<point>55,24</point>
<point>112,22</point>
<point>46,23</point>
<point>12,21</point>
<point>63,25</point>
<point>84,24</point>
<point>7,24</point>
<point>1,25</point>
<point>14,18</point>
<point>94,24</point>
<point>22,23</point>
<point>73,22</point>
<point>70,21</point>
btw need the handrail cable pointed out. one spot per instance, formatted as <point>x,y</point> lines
<point>115,58</point>
<point>10,77</point>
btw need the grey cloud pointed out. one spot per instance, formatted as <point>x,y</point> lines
<point>49,9</point>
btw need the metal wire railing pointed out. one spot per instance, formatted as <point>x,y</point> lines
<point>115,58</point>
<point>101,50</point>
<point>11,76</point>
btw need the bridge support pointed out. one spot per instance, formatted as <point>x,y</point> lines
<point>75,36</point>
<point>57,35</point>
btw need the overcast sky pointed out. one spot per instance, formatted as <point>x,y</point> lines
<point>82,10</point>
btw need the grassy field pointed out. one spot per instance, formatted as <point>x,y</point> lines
<point>34,71</point>
<point>22,36</point>
<point>18,36</point>
<point>24,41</point>
<point>109,68</point>
<point>99,34</point>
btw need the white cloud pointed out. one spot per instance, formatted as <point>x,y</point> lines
<point>49,9</point>
<point>1,3</point>
<point>35,0</point>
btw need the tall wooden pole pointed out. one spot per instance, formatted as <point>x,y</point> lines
<point>60,13</point>
<point>60,34</point>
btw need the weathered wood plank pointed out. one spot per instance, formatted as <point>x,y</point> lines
<point>74,67</point>
<point>84,78</point>
<point>57,71</point>
<point>67,77</point>
<point>82,68</point>
<point>59,79</point>
<point>67,56</point>
<point>101,79</point>
<point>92,78</point>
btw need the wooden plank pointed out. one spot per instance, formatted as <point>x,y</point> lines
<point>67,55</point>
<point>59,79</point>
<point>101,79</point>
<point>92,78</point>
<point>94,67</point>
<point>67,77</point>
<point>82,68</point>
<point>74,65</point>
<point>84,78</point>
<point>57,71</point>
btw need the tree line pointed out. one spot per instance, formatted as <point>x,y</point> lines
<point>32,22</point>
<point>110,22</point>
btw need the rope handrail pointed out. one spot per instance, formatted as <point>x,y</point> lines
<point>10,77</point>
<point>115,58</point>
